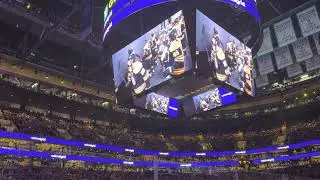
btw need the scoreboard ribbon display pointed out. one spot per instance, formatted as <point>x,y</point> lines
<point>117,10</point>
<point>248,5</point>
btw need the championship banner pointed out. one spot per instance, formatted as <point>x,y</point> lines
<point>309,21</point>
<point>316,38</point>
<point>302,49</point>
<point>254,72</point>
<point>294,70</point>
<point>313,63</point>
<point>283,57</point>
<point>265,64</point>
<point>261,81</point>
<point>285,32</point>
<point>266,45</point>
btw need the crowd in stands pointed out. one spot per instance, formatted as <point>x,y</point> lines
<point>300,113</point>
<point>51,173</point>
<point>45,123</point>
<point>48,125</point>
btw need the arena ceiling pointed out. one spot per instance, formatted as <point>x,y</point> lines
<point>74,28</point>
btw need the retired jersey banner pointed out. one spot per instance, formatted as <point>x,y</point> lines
<point>294,70</point>
<point>316,38</point>
<point>261,81</point>
<point>283,57</point>
<point>313,63</point>
<point>266,45</point>
<point>265,64</point>
<point>302,49</point>
<point>309,21</point>
<point>254,72</point>
<point>285,32</point>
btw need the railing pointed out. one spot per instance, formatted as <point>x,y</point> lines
<point>154,153</point>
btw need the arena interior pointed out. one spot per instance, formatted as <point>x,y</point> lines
<point>160,89</point>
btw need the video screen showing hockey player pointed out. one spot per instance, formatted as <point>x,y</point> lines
<point>229,59</point>
<point>207,100</point>
<point>158,103</point>
<point>155,57</point>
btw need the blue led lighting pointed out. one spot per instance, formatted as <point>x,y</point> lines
<point>248,5</point>
<point>123,9</point>
<point>43,155</point>
<point>129,10</point>
<point>296,157</point>
<point>226,96</point>
<point>285,158</point>
<point>153,153</point>
<point>215,164</point>
<point>173,108</point>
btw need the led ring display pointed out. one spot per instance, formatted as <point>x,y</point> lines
<point>154,153</point>
<point>118,10</point>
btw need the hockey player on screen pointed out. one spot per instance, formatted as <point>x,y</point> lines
<point>138,76</point>
<point>203,105</point>
<point>231,52</point>
<point>165,57</point>
<point>147,57</point>
<point>248,72</point>
<point>164,105</point>
<point>176,53</point>
<point>154,46</point>
<point>218,58</point>
<point>214,98</point>
<point>154,103</point>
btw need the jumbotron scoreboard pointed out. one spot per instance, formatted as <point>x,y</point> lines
<point>193,60</point>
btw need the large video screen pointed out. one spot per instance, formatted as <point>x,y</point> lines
<point>155,57</point>
<point>229,59</point>
<point>162,104</point>
<point>158,103</point>
<point>212,99</point>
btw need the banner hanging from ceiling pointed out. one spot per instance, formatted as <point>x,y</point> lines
<point>283,57</point>
<point>294,70</point>
<point>285,32</point>
<point>316,38</point>
<point>254,72</point>
<point>266,46</point>
<point>302,50</point>
<point>309,21</point>
<point>265,64</point>
<point>262,81</point>
<point>313,63</point>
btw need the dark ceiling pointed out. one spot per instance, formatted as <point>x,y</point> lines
<point>67,33</point>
